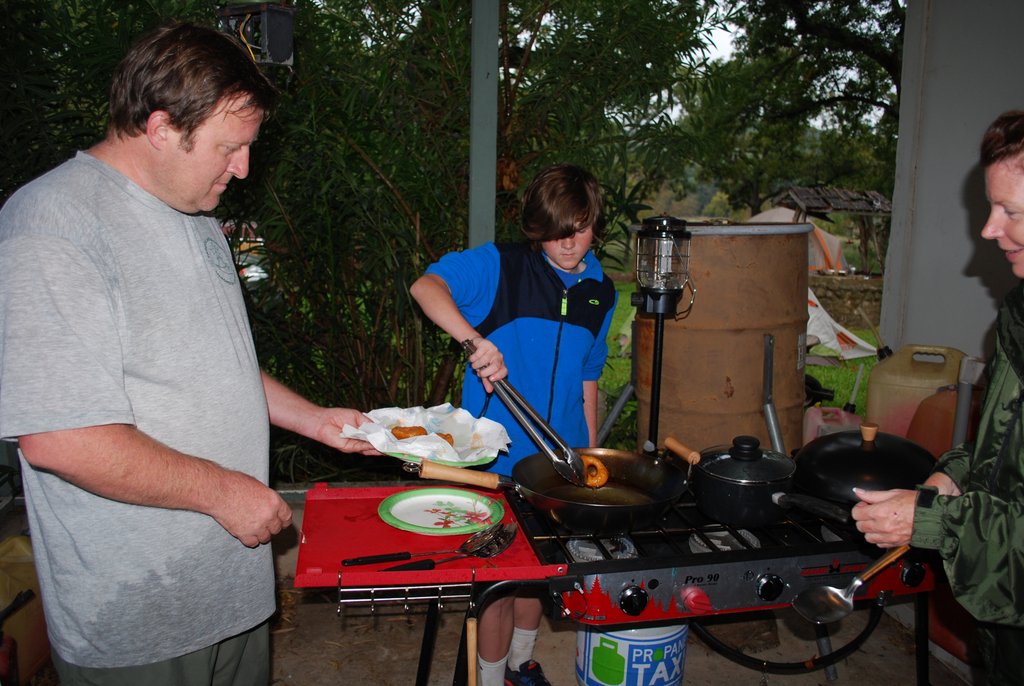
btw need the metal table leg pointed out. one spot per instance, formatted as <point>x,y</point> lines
<point>429,640</point>
<point>921,647</point>
<point>462,659</point>
<point>825,648</point>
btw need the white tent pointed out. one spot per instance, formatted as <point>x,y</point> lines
<point>832,334</point>
<point>824,250</point>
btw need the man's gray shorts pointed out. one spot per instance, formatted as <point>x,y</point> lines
<point>242,660</point>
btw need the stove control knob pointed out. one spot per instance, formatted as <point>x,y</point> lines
<point>770,586</point>
<point>633,600</point>
<point>912,574</point>
<point>695,600</point>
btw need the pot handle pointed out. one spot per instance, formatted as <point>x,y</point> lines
<point>816,506</point>
<point>688,454</point>
<point>470,477</point>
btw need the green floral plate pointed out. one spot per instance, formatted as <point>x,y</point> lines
<point>440,511</point>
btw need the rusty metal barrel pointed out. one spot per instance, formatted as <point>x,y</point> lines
<point>750,280</point>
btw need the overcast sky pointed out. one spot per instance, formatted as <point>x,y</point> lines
<point>722,47</point>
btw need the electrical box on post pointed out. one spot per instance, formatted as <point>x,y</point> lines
<point>265,28</point>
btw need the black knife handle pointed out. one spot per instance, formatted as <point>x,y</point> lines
<point>371,559</point>
<point>408,566</point>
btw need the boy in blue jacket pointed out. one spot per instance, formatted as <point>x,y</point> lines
<point>537,312</point>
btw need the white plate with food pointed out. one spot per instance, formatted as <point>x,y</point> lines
<point>443,434</point>
<point>440,511</point>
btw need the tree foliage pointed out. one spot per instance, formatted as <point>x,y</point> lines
<point>810,96</point>
<point>848,55</point>
<point>56,68</point>
<point>359,180</point>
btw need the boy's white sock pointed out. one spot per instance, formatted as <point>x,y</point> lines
<point>521,649</point>
<point>491,673</point>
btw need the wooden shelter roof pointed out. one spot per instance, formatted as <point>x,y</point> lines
<point>820,200</point>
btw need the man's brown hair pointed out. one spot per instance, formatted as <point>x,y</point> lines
<point>187,71</point>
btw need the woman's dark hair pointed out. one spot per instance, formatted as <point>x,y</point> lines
<point>187,71</point>
<point>1004,138</point>
<point>559,201</point>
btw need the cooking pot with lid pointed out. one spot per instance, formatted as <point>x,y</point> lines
<point>746,485</point>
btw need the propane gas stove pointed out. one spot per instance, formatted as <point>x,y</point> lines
<point>688,566</point>
<point>685,568</point>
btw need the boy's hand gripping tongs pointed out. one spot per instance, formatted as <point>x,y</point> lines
<point>566,462</point>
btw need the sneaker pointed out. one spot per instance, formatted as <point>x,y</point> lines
<point>529,674</point>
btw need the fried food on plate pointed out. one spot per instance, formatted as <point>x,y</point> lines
<point>403,432</point>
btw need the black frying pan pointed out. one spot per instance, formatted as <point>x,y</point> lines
<point>640,489</point>
<point>831,466</point>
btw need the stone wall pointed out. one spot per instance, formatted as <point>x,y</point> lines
<point>844,296</point>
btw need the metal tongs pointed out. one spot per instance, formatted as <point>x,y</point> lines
<point>566,462</point>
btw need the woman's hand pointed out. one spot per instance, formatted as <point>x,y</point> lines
<point>886,518</point>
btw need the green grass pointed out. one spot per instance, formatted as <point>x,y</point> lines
<point>618,370</point>
<point>617,367</point>
<point>841,380</point>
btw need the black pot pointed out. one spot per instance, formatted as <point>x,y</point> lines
<point>831,466</point>
<point>746,486</point>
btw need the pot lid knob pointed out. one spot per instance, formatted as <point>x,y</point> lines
<point>868,431</point>
<point>745,448</point>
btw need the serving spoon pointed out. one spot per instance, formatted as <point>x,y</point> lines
<point>495,544</point>
<point>827,604</point>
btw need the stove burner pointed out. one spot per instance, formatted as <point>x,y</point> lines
<point>587,550</point>
<point>723,541</point>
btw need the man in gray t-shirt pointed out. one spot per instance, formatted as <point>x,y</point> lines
<point>141,412</point>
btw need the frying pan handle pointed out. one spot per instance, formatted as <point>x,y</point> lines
<point>817,506</point>
<point>471,477</point>
<point>688,454</point>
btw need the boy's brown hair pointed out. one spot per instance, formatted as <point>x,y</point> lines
<point>559,201</point>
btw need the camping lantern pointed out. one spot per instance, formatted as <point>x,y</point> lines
<point>662,263</point>
<point>662,274</point>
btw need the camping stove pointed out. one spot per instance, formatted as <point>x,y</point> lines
<point>685,568</point>
<point>689,566</point>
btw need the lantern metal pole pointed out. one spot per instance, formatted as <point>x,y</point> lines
<point>659,333</point>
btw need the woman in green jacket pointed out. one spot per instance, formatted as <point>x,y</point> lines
<point>971,508</point>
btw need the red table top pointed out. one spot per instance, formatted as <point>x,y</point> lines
<point>340,523</point>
